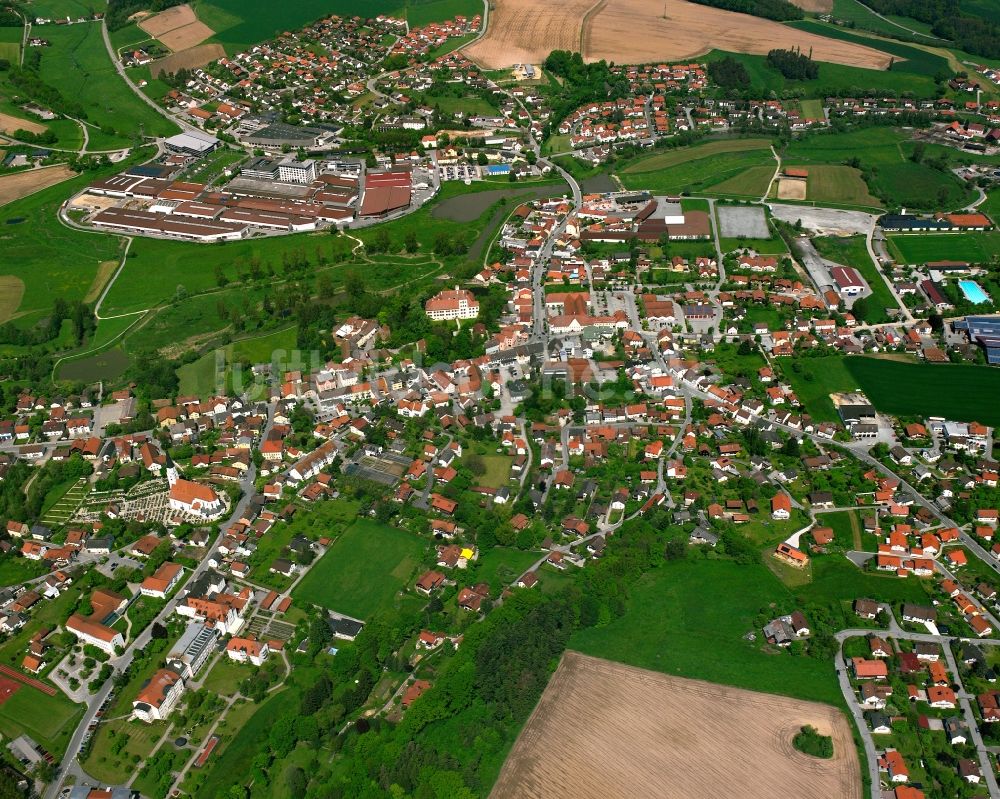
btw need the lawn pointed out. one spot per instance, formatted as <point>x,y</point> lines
<point>78,65</point>
<point>674,625</point>
<point>502,566</point>
<point>115,769</point>
<point>226,675</point>
<point>681,155</point>
<point>497,472</point>
<point>852,251</point>
<point>50,720</point>
<point>919,248</point>
<point>363,571</point>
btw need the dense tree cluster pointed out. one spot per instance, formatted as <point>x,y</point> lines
<point>793,64</point>
<point>780,10</point>
<point>582,83</point>
<point>729,73</point>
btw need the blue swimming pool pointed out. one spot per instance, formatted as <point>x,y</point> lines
<point>973,291</point>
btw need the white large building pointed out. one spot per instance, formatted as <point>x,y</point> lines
<point>159,696</point>
<point>455,304</point>
<point>292,171</point>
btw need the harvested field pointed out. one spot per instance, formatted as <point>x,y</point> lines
<point>178,28</point>
<point>525,32</point>
<point>10,124</point>
<point>814,6</point>
<point>792,188</point>
<point>21,184</point>
<point>636,31</point>
<point>104,272</point>
<point>187,59</point>
<point>661,736</point>
<point>11,292</point>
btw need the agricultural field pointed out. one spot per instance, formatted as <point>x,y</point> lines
<point>21,184</point>
<point>363,571</point>
<point>919,248</point>
<point>239,24</point>
<point>896,178</point>
<point>11,123</point>
<point>647,725</point>
<point>740,167</point>
<point>702,634</point>
<point>422,12</point>
<point>914,389</point>
<point>50,259</point>
<point>832,184</point>
<point>78,65</point>
<point>898,387</point>
<point>177,27</point>
<point>522,32</point>
<point>10,44</point>
<point>635,31</point>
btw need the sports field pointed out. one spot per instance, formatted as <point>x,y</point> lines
<point>919,248</point>
<point>78,65</point>
<point>50,720</point>
<point>647,725</point>
<point>363,570</point>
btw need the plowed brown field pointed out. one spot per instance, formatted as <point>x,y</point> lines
<point>639,31</point>
<point>603,730</point>
<point>178,28</point>
<point>524,32</point>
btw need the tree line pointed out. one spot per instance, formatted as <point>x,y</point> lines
<point>780,10</point>
<point>793,64</point>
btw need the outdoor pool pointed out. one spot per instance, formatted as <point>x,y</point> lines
<point>973,291</point>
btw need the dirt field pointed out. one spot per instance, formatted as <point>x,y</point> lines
<point>605,730</point>
<point>791,188</point>
<point>21,184</point>
<point>187,59</point>
<point>525,32</point>
<point>641,31</point>
<point>178,28</point>
<point>9,124</point>
<point>635,31</point>
<point>7,686</point>
<point>815,6</point>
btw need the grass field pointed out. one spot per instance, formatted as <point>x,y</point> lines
<point>918,248</point>
<point>420,12</point>
<point>78,65</point>
<point>502,566</point>
<point>909,60</point>
<point>902,181</point>
<point>915,389</point>
<point>852,251</point>
<point>898,387</point>
<point>864,18</point>
<point>675,626</point>
<point>814,379</point>
<point>705,169</point>
<point>363,570</point>
<point>50,720</point>
<point>832,183</point>
<point>52,260</point>
<point>202,377</point>
<point>10,44</point>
